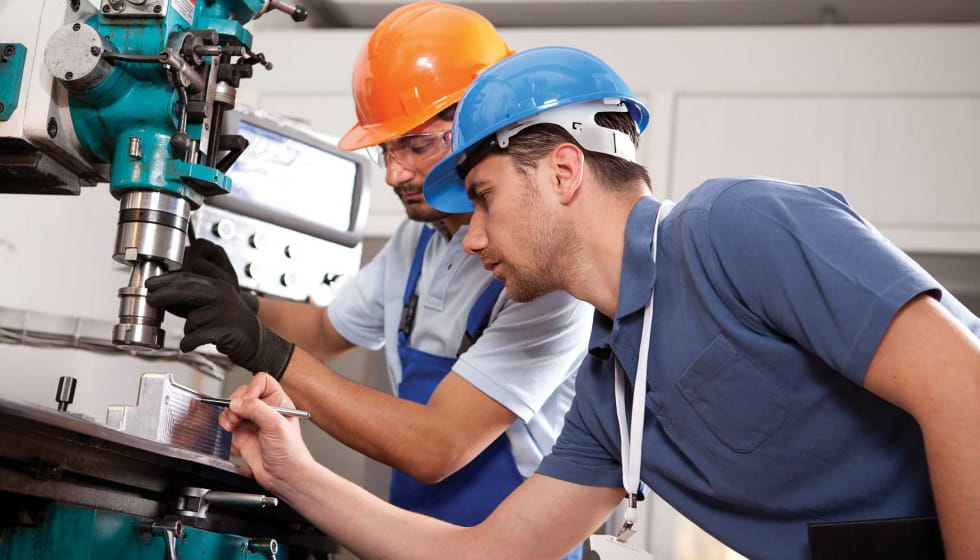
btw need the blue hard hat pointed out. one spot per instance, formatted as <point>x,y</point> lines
<point>518,87</point>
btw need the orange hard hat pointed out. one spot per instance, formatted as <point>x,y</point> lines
<point>417,62</point>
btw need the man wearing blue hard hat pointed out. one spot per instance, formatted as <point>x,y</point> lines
<point>480,384</point>
<point>794,370</point>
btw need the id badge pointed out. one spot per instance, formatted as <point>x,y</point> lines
<point>607,547</point>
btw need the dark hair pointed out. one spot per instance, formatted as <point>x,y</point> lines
<point>447,114</point>
<point>615,173</point>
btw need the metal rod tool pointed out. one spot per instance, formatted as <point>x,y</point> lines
<point>279,409</point>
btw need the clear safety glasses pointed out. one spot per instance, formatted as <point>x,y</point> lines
<point>413,151</point>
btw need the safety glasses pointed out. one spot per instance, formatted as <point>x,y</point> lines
<point>413,151</point>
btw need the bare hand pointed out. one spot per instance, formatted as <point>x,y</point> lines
<point>270,444</point>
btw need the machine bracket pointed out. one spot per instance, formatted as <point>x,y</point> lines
<point>12,60</point>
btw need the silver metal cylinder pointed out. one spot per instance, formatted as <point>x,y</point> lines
<point>150,237</point>
<point>74,55</point>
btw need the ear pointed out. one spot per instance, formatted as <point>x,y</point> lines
<point>569,169</point>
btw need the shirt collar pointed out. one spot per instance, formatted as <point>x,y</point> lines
<point>636,275</point>
<point>638,270</point>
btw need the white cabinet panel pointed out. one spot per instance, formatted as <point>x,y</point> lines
<point>907,163</point>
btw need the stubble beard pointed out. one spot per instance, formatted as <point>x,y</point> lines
<point>418,211</point>
<point>552,247</point>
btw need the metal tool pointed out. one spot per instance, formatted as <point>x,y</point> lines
<point>279,409</point>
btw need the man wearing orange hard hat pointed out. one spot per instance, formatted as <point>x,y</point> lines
<point>482,381</point>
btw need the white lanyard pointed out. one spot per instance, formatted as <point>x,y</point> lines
<point>631,454</point>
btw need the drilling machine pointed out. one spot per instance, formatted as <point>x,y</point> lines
<point>133,95</point>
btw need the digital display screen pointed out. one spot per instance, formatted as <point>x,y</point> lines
<point>295,178</point>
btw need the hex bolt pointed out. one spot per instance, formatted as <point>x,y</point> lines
<point>76,27</point>
<point>75,4</point>
<point>95,51</point>
<point>69,75</point>
<point>52,127</point>
<point>105,9</point>
<point>9,50</point>
<point>157,9</point>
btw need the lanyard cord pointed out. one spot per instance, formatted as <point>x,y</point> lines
<point>631,454</point>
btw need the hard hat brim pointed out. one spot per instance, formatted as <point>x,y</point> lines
<point>444,189</point>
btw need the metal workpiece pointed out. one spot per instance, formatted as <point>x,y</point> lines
<point>74,56</point>
<point>169,413</point>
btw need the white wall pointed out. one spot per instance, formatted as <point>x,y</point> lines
<point>889,115</point>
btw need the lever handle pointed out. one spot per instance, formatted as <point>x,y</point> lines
<point>296,11</point>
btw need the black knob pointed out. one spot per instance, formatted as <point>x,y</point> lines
<point>66,392</point>
<point>300,13</point>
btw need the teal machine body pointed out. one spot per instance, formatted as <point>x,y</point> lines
<point>147,83</point>
<point>131,93</point>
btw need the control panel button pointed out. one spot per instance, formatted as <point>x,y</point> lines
<point>288,279</point>
<point>258,240</point>
<point>224,229</point>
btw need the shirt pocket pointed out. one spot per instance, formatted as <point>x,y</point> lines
<point>739,404</point>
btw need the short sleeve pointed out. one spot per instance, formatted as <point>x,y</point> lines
<point>528,350</point>
<point>357,311</point>
<point>587,448</point>
<point>798,262</point>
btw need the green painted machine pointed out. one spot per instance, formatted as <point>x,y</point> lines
<point>131,92</point>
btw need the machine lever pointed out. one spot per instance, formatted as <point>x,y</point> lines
<point>296,11</point>
<point>168,528</point>
<point>193,502</point>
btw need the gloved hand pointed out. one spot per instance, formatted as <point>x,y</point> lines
<point>217,313</point>
<point>204,257</point>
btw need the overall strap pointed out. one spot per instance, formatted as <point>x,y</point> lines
<point>411,299</point>
<point>479,316</point>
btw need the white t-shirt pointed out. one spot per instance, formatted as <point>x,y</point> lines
<point>526,359</point>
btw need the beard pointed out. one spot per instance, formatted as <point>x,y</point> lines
<point>417,210</point>
<point>551,249</point>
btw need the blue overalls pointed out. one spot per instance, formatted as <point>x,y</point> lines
<point>469,495</point>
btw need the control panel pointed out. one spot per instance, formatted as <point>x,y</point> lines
<point>274,260</point>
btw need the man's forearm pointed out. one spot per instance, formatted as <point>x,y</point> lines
<point>426,441</point>
<point>303,324</point>
<point>954,460</point>
<point>368,526</point>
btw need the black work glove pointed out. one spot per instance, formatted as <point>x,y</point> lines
<point>217,313</point>
<point>204,257</point>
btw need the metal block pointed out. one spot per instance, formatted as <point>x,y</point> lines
<point>170,413</point>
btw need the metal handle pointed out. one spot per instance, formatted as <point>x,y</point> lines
<point>296,11</point>
<point>167,528</point>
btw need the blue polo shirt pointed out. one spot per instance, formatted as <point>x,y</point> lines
<point>771,299</point>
